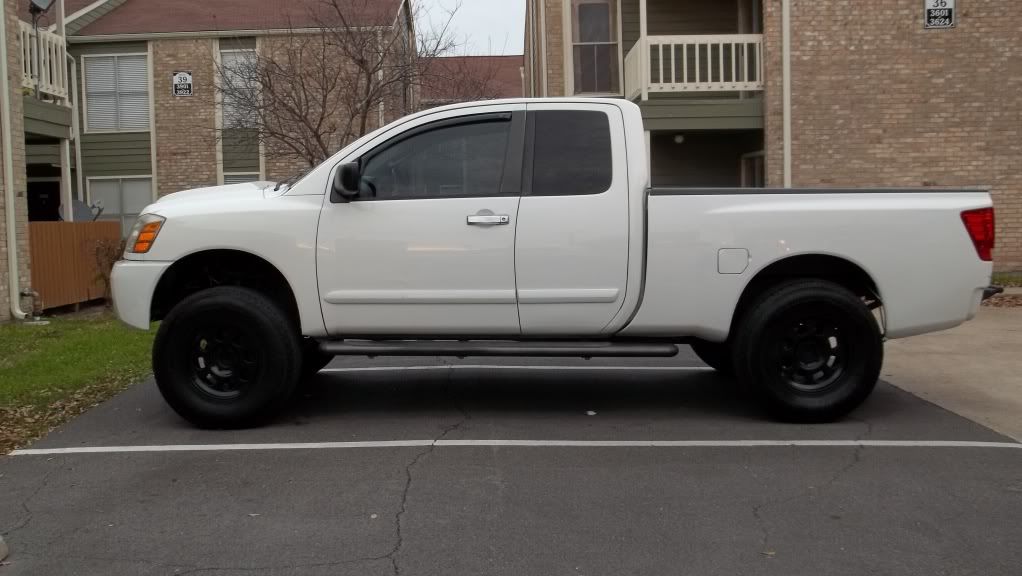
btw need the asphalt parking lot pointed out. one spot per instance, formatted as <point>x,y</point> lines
<point>411,466</point>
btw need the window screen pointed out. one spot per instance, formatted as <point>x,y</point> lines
<point>572,153</point>
<point>594,47</point>
<point>450,162</point>
<point>122,199</point>
<point>240,88</point>
<point>117,92</point>
<point>241,177</point>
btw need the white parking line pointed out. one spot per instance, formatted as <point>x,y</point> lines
<point>503,367</point>
<point>522,443</point>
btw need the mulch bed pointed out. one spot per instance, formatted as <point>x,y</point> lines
<point>23,424</point>
<point>1004,301</point>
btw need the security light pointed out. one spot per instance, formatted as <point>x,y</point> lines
<point>39,6</point>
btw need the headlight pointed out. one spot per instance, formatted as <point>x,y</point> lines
<point>144,233</point>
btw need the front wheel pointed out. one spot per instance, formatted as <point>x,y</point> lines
<point>810,349</point>
<point>226,357</point>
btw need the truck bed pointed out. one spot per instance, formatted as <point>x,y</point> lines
<point>705,245</point>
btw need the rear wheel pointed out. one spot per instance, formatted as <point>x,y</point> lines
<point>226,357</point>
<point>810,349</point>
<point>716,355</point>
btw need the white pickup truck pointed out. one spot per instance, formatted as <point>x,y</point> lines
<point>529,228</point>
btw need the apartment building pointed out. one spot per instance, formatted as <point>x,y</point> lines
<point>803,92</point>
<point>114,103</point>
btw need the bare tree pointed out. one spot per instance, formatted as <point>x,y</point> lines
<point>459,79</point>
<point>318,86</point>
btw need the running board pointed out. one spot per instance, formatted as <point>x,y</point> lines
<point>494,348</point>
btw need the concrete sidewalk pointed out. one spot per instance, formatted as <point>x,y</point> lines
<point>974,370</point>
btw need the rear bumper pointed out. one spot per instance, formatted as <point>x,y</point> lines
<point>133,284</point>
<point>991,291</point>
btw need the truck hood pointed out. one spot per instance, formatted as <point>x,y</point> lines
<point>219,194</point>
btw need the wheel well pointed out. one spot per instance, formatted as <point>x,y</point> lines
<point>819,266</point>
<point>212,268</point>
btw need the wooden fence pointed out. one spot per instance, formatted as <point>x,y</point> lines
<point>65,266</point>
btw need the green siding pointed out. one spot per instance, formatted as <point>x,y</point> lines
<point>703,159</point>
<point>246,43</point>
<point>679,17</point>
<point>240,150</point>
<point>116,154</point>
<point>42,154</point>
<point>77,50</point>
<point>687,114</point>
<point>46,119</point>
<point>113,153</point>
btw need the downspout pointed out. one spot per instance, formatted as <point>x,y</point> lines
<point>76,129</point>
<point>542,44</point>
<point>8,167</point>
<point>786,40</point>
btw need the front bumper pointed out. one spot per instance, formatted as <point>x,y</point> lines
<point>132,284</point>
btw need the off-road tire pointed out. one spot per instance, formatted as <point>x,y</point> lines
<point>226,357</point>
<point>810,350</point>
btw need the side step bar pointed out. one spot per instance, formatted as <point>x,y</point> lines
<point>462,348</point>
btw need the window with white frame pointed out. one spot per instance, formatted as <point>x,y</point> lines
<point>122,199</point>
<point>594,41</point>
<point>239,87</point>
<point>117,93</point>
<point>240,177</point>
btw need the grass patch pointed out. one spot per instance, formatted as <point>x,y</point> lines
<point>1008,279</point>
<point>49,374</point>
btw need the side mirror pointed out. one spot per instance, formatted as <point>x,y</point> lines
<point>346,183</point>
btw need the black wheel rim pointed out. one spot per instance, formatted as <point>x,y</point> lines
<point>812,351</point>
<point>224,361</point>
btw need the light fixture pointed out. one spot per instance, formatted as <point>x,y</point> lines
<point>39,6</point>
<point>679,138</point>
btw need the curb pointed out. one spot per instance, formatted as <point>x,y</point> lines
<point>3,548</point>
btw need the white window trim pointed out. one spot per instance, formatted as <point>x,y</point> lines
<point>219,117</point>
<point>89,179</point>
<point>88,188</point>
<point>258,177</point>
<point>568,17</point>
<point>85,93</point>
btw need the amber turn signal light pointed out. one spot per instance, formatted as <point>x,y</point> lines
<point>144,233</point>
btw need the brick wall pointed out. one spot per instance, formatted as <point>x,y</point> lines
<point>185,141</point>
<point>18,149</point>
<point>879,101</point>
<point>555,47</point>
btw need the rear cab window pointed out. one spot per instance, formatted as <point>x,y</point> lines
<point>572,153</point>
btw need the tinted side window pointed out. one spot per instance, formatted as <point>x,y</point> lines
<point>448,162</point>
<point>572,152</point>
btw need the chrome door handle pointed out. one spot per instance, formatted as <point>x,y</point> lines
<point>487,219</point>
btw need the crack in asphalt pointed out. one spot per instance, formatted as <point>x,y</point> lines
<point>27,519</point>
<point>392,556</point>
<point>856,458</point>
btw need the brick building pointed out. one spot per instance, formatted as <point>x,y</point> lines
<point>875,98</point>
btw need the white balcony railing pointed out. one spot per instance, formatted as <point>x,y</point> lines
<point>702,63</point>
<point>48,69</point>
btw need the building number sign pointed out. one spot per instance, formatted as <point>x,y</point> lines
<point>939,14</point>
<point>182,83</point>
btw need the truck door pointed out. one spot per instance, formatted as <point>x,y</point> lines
<point>571,250</point>
<point>427,248</point>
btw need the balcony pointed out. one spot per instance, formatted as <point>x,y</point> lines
<point>44,63</point>
<point>693,64</point>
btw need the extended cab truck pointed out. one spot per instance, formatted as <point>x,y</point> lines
<point>528,227</point>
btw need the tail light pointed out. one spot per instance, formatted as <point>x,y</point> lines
<point>980,226</point>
